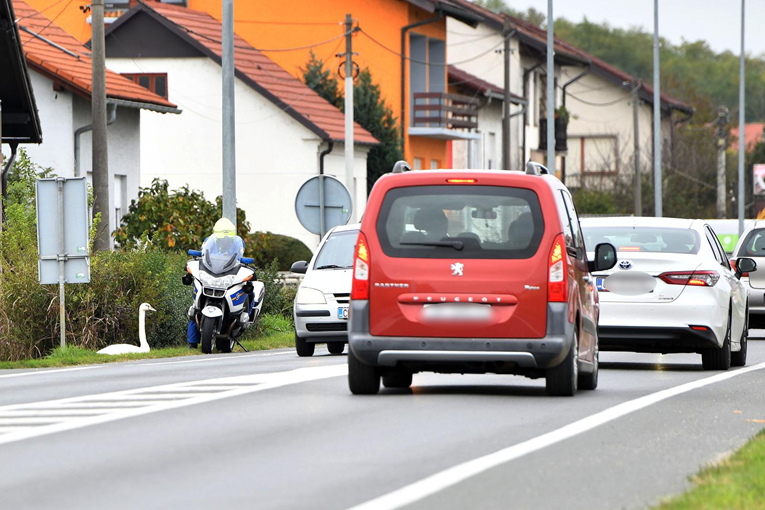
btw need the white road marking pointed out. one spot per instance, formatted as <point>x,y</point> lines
<point>50,371</point>
<point>220,358</point>
<point>461,472</point>
<point>112,405</point>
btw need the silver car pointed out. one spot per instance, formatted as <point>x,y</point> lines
<point>321,303</point>
<point>752,244</point>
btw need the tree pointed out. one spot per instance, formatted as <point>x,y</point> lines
<point>531,15</point>
<point>369,110</point>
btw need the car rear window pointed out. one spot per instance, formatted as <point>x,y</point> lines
<point>754,244</point>
<point>644,239</point>
<point>469,222</point>
<point>337,252</point>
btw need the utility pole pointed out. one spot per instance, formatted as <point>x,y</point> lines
<point>636,148</point>
<point>506,104</point>
<point>100,168</point>
<point>229,113</point>
<point>656,114</point>
<point>349,150</point>
<point>550,88</point>
<point>741,139</point>
<point>721,142</point>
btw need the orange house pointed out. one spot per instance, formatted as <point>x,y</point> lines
<point>387,28</point>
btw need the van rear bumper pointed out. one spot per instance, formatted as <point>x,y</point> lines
<point>461,354</point>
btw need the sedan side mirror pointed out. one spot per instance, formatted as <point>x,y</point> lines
<point>605,258</point>
<point>301,266</point>
<point>745,265</point>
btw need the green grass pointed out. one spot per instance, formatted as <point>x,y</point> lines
<point>736,483</point>
<point>272,333</point>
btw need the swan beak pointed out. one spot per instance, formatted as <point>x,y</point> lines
<point>150,309</point>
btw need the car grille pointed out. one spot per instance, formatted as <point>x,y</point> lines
<point>324,328</point>
<point>342,298</point>
<point>213,292</point>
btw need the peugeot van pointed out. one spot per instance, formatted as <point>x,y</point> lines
<point>473,272</point>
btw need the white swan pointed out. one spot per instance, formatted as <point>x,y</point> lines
<point>127,348</point>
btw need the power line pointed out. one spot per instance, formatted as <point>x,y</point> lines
<point>53,19</point>
<point>610,103</point>
<point>286,22</point>
<point>41,11</point>
<point>218,41</point>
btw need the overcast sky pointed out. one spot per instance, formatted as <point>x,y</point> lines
<point>715,21</point>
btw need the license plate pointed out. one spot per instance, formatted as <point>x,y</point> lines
<point>342,313</point>
<point>600,282</point>
<point>455,312</point>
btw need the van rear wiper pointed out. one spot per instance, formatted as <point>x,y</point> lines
<point>457,245</point>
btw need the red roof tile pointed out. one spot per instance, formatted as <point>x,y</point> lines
<point>73,72</point>
<point>752,135</point>
<point>260,72</point>
<point>462,78</point>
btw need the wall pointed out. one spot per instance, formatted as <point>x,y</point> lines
<point>275,153</point>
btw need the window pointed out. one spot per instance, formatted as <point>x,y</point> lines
<point>120,197</point>
<point>337,252</point>
<point>489,222</point>
<point>753,245</point>
<point>417,164</point>
<point>155,82</point>
<point>717,248</point>
<point>434,165</point>
<point>491,151</point>
<point>644,239</point>
<point>575,238</point>
<point>542,97</point>
<point>597,154</point>
<point>535,87</point>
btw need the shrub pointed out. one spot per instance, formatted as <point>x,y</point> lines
<point>286,250</point>
<point>278,296</point>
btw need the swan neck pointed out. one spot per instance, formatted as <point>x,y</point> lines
<point>142,329</point>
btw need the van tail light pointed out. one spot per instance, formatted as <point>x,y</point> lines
<point>733,266</point>
<point>557,284</point>
<point>692,278</point>
<point>361,262</point>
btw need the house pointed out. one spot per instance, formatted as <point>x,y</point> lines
<point>285,131</point>
<point>60,72</point>
<point>19,120</point>
<point>597,96</point>
<point>753,134</point>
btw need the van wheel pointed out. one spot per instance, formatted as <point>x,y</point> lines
<point>561,380</point>
<point>362,379</point>
<point>335,347</point>
<point>738,359</point>
<point>304,349</point>
<point>590,381</point>
<point>397,380</point>
<point>718,359</point>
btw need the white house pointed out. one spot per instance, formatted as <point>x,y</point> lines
<point>282,126</point>
<point>60,73</point>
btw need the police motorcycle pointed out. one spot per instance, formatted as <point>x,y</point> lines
<point>227,296</point>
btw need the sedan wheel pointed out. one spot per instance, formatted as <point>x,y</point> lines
<point>718,359</point>
<point>738,359</point>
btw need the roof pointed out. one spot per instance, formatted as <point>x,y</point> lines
<point>203,32</point>
<point>458,77</point>
<point>535,38</point>
<point>57,55</point>
<point>752,135</point>
<point>21,123</point>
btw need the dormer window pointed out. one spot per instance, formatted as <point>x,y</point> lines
<point>155,82</point>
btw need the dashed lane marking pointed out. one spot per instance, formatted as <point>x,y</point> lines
<point>49,371</point>
<point>25,421</point>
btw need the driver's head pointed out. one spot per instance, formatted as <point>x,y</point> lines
<point>433,221</point>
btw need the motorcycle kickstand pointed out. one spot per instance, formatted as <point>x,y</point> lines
<point>240,345</point>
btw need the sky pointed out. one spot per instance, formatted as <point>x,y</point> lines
<point>715,21</point>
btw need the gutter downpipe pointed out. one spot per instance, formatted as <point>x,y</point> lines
<point>404,30</point>
<point>6,168</point>
<point>323,227</point>
<point>572,80</point>
<point>112,117</point>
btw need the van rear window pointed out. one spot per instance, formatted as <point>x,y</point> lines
<point>467,222</point>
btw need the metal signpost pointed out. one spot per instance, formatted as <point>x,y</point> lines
<point>322,207</point>
<point>62,235</point>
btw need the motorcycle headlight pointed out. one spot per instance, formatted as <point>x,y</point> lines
<point>222,282</point>
<point>308,296</point>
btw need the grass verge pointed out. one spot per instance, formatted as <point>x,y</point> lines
<point>272,333</point>
<point>736,483</point>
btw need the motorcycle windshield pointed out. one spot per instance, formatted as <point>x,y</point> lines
<point>222,254</point>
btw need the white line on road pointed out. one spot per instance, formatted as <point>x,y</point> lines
<point>245,384</point>
<point>50,371</point>
<point>461,472</point>
<point>221,358</point>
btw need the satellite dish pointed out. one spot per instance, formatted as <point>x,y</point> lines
<point>337,204</point>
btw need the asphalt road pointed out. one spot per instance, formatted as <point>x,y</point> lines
<point>259,433</point>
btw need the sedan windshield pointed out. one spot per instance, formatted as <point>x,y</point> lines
<point>337,252</point>
<point>643,239</point>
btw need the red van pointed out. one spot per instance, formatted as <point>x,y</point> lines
<point>473,272</point>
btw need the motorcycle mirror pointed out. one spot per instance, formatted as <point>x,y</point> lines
<point>195,253</point>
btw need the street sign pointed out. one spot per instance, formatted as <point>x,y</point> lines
<point>320,208</point>
<point>62,235</point>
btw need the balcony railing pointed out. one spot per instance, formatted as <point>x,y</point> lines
<point>440,110</point>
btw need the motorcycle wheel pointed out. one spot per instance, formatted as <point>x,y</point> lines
<point>224,345</point>
<point>208,336</point>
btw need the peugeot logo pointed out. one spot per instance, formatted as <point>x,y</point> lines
<point>625,264</point>
<point>458,268</point>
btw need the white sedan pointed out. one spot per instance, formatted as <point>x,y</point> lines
<point>673,290</point>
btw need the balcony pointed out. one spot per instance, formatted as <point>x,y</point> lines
<point>444,116</point>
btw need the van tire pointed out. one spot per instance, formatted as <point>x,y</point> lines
<point>718,359</point>
<point>590,381</point>
<point>335,347</point>
<point>562,379</point>
<point>362,379</point>
<point>397,379</point>
<point>304,349</point>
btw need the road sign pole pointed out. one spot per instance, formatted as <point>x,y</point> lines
<point>550,88</point>
<point>61,263</point>
<point>741,138</point>
<point>656,114</point>
<point>229,113</point>
<point>322,220</point>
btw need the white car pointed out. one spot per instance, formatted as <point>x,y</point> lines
<point>321,303</point>
<point>673,290</point>
<point>752,244</point>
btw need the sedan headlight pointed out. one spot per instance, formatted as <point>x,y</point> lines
<point>222,282</point>
<point>308,296</point>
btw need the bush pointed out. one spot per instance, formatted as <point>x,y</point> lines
<point>278,296</point>
<point>284,249</point>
